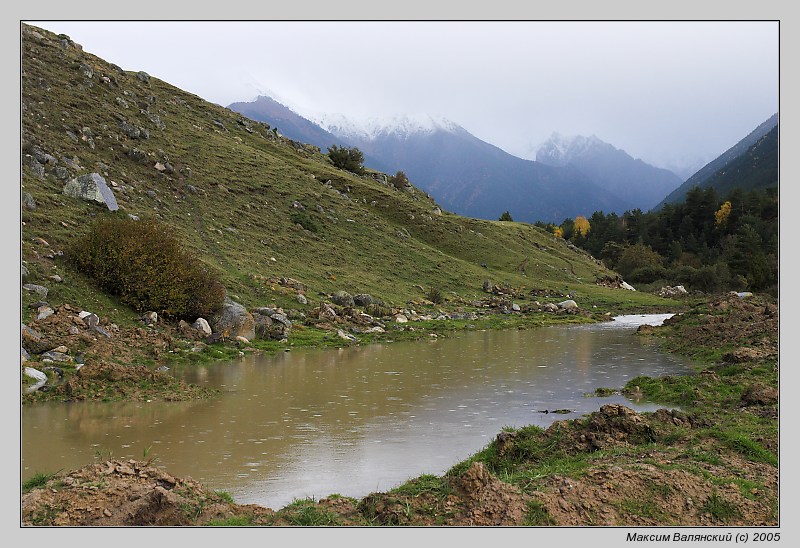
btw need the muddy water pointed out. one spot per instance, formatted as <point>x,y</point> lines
<point>309,423</point>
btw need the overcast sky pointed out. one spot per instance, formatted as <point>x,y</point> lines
<point>662,91</point>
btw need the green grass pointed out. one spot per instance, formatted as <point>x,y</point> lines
<point>305,513</point>
<point>39,479</point>
<point>719,508</point>
<point>235,521</point>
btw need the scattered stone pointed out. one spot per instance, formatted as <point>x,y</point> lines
<point>345,336</point>
<point>150,318</point>
<point>302,299</point>
<point>44,312</point>
<point>56,278</point>
<point>27,201</point>
<point>669,291</point>
<point>400,318</point>
<point>242,340</point>
<point>56,356</point>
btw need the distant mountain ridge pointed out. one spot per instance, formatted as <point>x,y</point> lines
<point>463,173</point>
<point>287,122</point>
<point>631,180</point>
<point>718,173</point>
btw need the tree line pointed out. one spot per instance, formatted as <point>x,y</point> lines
<point>706,242</point>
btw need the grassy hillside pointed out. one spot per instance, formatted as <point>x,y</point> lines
<point>249,202</point>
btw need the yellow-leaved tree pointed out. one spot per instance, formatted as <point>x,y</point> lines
<point>721,216</point>
<point>581,225</point>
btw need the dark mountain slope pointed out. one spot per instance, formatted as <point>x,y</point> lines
<point>714,169</point>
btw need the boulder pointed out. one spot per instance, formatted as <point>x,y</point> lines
<point>569,304</point>
<point>33,341</point>
<point>233,320</point>
<point>38,289</point>
<point>201,324</point>
<point>91,187</point>
<point>363,299</point>
<point>343,298</point>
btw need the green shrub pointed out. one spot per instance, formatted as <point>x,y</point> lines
<point>399,180</point>
<point>648,274</point>
<point>305,220</point>
<point>144,264</point>
<point>434,295</point>
<point>350,159</point>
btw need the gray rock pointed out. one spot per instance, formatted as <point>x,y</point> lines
<point>201,324</point>
<point>569,304</point>
<point>102,331</point>
<point>56,356</point>
<point>282,319</point>
<point>90,319</point>
<point>515,307</point>
<point>23,354</point>
<point>27,201</point>
<point>143,76</point>
<point>38,289</point>
<point>302,299</point>
<point>34,165</point>
<point>343,298</point>
<point>91,187</point>
<point>23,272</point>
<point>345,336</point>
<point>44,312</point>
<point>363,299</point>
<point>233,320</point>
<point>33,341</point>
<point>150,318</point>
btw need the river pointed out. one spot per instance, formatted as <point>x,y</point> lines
<point>313,422</point>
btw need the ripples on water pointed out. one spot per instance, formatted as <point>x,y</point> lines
<point>315,422</point>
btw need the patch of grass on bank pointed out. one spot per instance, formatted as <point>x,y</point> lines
<point>39,479</point>
<point>305,512</point>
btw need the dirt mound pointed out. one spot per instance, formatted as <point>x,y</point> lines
<point>122,493</point>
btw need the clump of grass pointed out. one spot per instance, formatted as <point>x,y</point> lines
<point>235,521</point>
<point>537,515</point>
<point>719,508</point>
<point>39,479</point>
<point>306,513</point>
<point>434,295</point>
<point>224,495</point>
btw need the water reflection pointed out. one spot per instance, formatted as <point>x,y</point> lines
<point>355,420</point>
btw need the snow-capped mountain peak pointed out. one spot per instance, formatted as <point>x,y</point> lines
<point>369,129</point>
<point>560,149</point>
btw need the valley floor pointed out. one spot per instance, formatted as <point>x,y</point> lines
<point>715,463</point>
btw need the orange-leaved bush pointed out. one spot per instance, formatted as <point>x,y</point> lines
<point>145,265</point>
